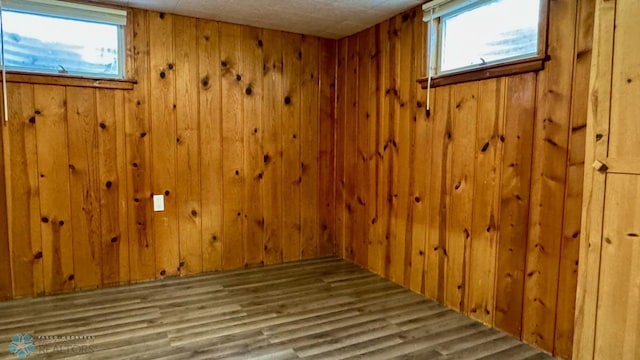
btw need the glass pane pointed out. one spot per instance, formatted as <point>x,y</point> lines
<point>498,30</point>
<point>55,45</point>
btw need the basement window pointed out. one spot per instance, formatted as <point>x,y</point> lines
<point>63,38</point>
<point>474,39</point>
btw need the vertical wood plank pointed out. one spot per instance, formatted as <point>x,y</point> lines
<point>439,193</point>
<point>113,193</point>
<point>138,155</point>
<point>360,207</point>
<point>549,176</point>
<point>23,192</point>
<point>123,213</point>
<point>486,201</point>
<point>514,202</point>
<point>396,250</point>
<point>232,146</point>
<point>327,74</point>
<point>310,122</point>
<point>380,256</point>
<point>6,286</point>
<point>401,262</point>
<point>85,189</point>
<point>376,200</point>
<point>272,105</point>
<point>350,148</point>
<point>210,124</point>
<point>614,106</point>
<point>163,142</point>
<point>253,160</point>
<point>55,207</point>
<point>459,217</point>
<point>339,146</point>
<point>570,250</point>
<point>420,163</point>
<point>188,146</point>
<point>291,146</point>
<point>618,317</point>
<point>598,122</point>
<point>373,159</point>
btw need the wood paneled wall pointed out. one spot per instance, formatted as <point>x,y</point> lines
<point>477,204</point>
<point>232,124</point>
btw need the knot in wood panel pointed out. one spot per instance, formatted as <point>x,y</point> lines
<point>205,82</point>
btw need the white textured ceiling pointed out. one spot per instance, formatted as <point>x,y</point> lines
<point>325,18</point>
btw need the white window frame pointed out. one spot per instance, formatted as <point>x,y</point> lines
<point>435,10</point>
<point>78,12</point>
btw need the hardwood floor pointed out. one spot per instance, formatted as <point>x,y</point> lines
<point>317,309</point>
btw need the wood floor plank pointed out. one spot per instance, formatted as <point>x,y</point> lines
<point>314,309</point>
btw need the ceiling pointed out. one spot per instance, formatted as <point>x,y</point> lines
<point>325,18</point>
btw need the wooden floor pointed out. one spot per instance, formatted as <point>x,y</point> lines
<point>318,309</point>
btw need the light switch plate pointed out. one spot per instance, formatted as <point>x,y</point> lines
<point>158,203</point>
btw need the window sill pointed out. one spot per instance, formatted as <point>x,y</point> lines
<point>488,72</point>
<point>63,80</point>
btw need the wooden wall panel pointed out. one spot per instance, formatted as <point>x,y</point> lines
<point>162,80</point>
<point>360,206</point>
<point>618,315</point>
<point>490,236</point>
<point>403,109</point>
<point>373,160</point>
<point>464,112</point>
<point>84,172</point>
<point>6,287</point>
<point>486,202</point>
<point>326,167</point>
<point>309,141</point>
<point>291,145</point>
<point>207,125</point>
<point>210,124</point>
<point>114,238</point>
<point>514,202</point>
<point>568,277</point>
<point>23,191</point>
<point>55,199</point>
<point>253,160</point>
<point>377,140</point>
<point>138,155</point>
<point>232,146</point>
<point>350,147</point>
<point>421,162</point>
<point>439,194</point>
<point>552,128</point>
<point>272,105</point>
<point>339,146</point>
<point>188,194</point>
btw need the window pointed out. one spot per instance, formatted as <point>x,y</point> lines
<point>467,35</point>
<point>56,37</point>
